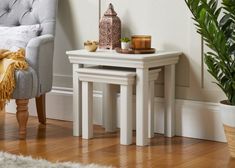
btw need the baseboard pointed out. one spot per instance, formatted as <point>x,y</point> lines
<point>193,118</point>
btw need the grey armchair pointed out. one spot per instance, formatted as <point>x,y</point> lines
<point>37,80</point>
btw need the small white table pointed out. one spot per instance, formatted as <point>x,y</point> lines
<point>142,63</point>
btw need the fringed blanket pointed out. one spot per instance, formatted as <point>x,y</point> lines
<point>9,62</point>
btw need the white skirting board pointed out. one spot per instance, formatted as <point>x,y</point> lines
<point>193,118</point>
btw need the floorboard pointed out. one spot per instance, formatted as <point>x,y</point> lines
<point>55,142</point>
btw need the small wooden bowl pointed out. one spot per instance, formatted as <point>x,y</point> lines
<point>91,46</point>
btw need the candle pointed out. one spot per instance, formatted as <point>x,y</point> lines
<point>141,42</point>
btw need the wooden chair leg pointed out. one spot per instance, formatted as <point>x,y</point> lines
<point>41,108</point>
<point>22,115</point>
<point>2,110</point>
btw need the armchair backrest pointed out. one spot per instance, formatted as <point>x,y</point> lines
<point>29,12</point>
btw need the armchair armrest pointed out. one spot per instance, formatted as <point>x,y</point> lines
<point>39,55</point>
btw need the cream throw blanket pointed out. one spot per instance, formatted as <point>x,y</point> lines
<point>9,63</point>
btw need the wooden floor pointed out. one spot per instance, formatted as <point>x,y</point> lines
<point>55,142</point>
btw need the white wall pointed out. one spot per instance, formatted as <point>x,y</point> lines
<point>77,21</point>
<point>170,24</point>
<point>168,21</point>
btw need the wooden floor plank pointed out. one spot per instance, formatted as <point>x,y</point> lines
<point>55,142</point>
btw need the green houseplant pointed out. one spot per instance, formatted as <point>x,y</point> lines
<point>125,43</point>
<point>216,24</point>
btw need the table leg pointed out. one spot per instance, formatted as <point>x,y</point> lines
<point>87,110</point>
<point>109,108</point>
<point>126,115</point>
<point>169,128</point>
<point>151,109</point>
<point>77,102</point>
<point>142,85</point>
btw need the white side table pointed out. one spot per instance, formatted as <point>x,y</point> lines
<point>142,63</point>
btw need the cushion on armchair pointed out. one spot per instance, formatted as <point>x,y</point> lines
<point>13,38</point>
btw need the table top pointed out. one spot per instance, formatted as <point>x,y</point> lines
<point>112,58</point>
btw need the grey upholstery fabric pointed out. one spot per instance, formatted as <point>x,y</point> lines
<point>29,12</point>
<point>27,83</point>
<point>37,80</point>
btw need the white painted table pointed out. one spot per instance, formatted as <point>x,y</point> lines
<point>142,63</point>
